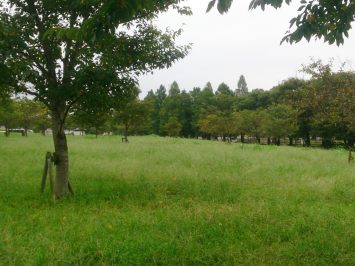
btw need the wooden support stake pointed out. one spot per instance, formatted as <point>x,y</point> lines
<point>70,188</point>
<point>350,158</point>
<point>45,171</point>
<point>50,170</point>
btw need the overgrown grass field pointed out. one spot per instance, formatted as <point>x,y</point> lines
<point>166,201</point>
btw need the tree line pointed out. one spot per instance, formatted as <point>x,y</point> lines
<point>23,114</point>
<point>296,109</point>
<point>323,107</point>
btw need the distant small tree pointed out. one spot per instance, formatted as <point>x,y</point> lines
<point>239,119</point>
<point>29,111</point>
<point>203,103</point>
<point>280,121</point>
<point>286,90</point>
<point>91,119</point>
<point>134,116</point>
<point>330,96</point>
<point>224,89</point>
<point>177,104</point>
<point>174,89</point>
<point>250,123</point>
<point>254,100</point>
<point>8,114</point>
<point>209,125</point>
<point>43,119</point>
<point>242,86</point>
<point>156,101</point>
<point>218,124</point>
<point>173,127</point>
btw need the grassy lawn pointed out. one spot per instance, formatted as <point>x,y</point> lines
<point>165,201</point>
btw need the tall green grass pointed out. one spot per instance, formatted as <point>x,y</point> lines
<point>166,201</point>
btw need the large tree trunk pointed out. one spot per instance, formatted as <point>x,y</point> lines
<point>350,156</point>
<point>126,133</point>
<point>327,143</point>
<point>61,159</point>
<point>7,131</point>
<point>307,140</point>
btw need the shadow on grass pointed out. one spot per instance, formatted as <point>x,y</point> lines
<point>143,191</point>
<point>139,191</point>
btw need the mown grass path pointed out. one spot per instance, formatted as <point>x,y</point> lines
<point>164,201</point>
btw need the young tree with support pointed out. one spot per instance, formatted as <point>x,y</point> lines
<point>133,115</point>
<point>65,53</point>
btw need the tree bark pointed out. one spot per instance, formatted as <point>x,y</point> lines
<point>126,133</point>
<point>350,156</point>
<point>61,159</point>
<point>327,143</point>
<point>278,141</point>
<point>242,138</point>
<point>45,171</point>
<point>307,140</point>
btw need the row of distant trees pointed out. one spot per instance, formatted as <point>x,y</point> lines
<point>23,113</point>
<point>323,106</point>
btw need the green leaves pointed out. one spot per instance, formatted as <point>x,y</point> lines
<point>222,5</point>
<point>327,19</point>
<point>210,5</point>
<point>84,52</point>
<point>263,3</point>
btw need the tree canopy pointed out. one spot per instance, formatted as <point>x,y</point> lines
<point>327,19</point>
<point>81,52</point>
<point>242,86</point>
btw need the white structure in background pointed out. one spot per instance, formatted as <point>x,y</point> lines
<point>74,132</point>
<point>48,131</point>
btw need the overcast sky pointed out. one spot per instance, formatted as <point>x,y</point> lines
<point>240,42</point>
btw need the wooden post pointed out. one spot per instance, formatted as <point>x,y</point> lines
<point>70,188</point>
<point>48,170</point>
<point>45,171</point>
<point>350,158</point>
